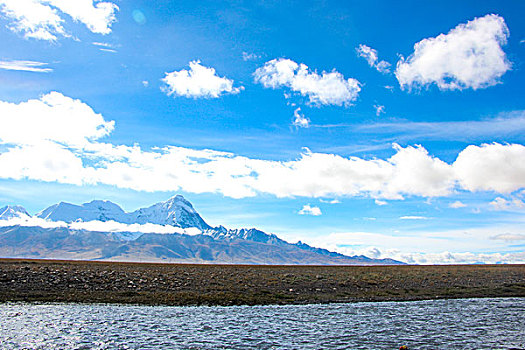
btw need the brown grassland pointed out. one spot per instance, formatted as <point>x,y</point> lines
<point>180,284</point>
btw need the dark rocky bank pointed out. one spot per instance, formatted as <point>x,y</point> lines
<point>180,284</point>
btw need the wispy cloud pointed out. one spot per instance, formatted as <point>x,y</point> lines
<point>512,123</point>
<point>371,57</point>
<point>250,56</point>
<point>333,201</point>
<point>509,237</point>
<point>105,47</point>
<point>380,109</point>
<point>26,66</point>
<point>101,44</point>
<point>413,217</point>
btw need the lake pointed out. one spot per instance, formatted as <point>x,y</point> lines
<point>497,323</point>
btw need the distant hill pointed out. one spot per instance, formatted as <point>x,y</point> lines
<point>205,244</point>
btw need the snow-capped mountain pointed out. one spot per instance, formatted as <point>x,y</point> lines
<point>94,210</point>
<point>176,211</point>
<point>190,239</point>
<point>12,211</point>
<point>251,234</point>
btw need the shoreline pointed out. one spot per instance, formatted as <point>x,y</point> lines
<point>137,283</point>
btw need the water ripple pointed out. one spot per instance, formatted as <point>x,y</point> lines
<point>452,324</point>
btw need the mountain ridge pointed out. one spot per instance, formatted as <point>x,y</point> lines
<point>176,211</point>
<point>208,245</point>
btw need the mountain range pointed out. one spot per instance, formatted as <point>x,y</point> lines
<point>189,239</point>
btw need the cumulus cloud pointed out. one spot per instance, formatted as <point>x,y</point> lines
<point>370,55</point>
<point>299,119</point>
<point>457,205</point>
<point>52,117</point>
<point>44,19</point>
<point>25,66</point>
<point>57,138</point>
<point>327,88</point>
<point>502,204</point>
<point>198,82</point>
<point>469,56</point>
<point>309,210</point>
<point>491,167</point>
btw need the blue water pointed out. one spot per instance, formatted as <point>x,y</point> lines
<point>443,324</point>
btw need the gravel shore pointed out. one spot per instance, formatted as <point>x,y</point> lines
<point>179,284</point>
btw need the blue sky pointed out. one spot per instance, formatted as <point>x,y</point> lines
<point>388,129</point>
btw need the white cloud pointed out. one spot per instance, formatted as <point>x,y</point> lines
<point>47,161</point>
<point>108,50</point>
<point>57,138</point>
<point>380,202</point>
<point>379,109</point>
<point>327,88</point>
<point>413,217</point>
<point>99,226</point>
<point>469,245</point>
<point>105,47</point>
<point>448,258</point>
<point>509,237</point>
<point>44,19</point>
<point>101,44</point>
<point>469,56</point>
<point>308,210</point>
<point>457,205</point>
<point>198,82</point>
<point>27,66</point>
<point>505,124</point>
<point>370,55</point>
<point>53,117</point>
<point>502,204</point>
<point>491,167</point>
<point>300,120</point>
<point>96,15</point>
<point>250,56</point>
<point>333,201</point>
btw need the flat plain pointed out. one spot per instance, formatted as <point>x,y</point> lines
<point>195,284</point>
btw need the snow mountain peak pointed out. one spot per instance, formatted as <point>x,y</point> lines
<point>12,211</point>
<point>176,211</point>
